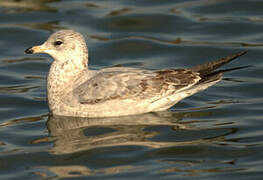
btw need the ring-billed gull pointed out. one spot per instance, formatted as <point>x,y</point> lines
<point>74,90</point>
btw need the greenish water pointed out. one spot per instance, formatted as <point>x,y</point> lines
<point>214,134</point>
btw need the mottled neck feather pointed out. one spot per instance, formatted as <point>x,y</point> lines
<point>61,78</point>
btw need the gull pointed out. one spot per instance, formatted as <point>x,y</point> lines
<point>74,90</point>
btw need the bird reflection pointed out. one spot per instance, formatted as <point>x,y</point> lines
<point>162,133</point>
<point>74,134</point>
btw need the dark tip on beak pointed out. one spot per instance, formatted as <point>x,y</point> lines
<point>29,51</point>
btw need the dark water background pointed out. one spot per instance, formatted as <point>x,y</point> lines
<point>214,134</point>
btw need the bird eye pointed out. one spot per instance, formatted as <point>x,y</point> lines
<point>58,43</point>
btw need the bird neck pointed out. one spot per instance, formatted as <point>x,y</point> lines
<point>61,79</point>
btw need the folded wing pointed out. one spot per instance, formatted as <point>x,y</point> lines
<point>134,84</point>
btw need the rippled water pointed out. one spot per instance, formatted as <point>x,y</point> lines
<point>214,134</point>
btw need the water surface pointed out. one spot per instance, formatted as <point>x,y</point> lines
<point>214,134</point>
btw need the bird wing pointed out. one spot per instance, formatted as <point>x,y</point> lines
<point>133,84</point>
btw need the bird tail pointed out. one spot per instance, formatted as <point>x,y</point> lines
<point>210,67</point>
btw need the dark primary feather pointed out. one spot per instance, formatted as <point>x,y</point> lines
<point>208,71</point>
<point>207,68</point>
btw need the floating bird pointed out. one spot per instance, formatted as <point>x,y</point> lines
<point>74,90</point>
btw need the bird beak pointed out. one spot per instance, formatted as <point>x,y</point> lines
<point>36,49</point>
